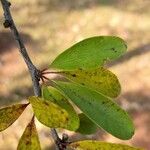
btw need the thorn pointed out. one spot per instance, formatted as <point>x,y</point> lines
<point>46,73</point>
<point>45,78</point>
<point>44,69</point>
<point>42,80</point>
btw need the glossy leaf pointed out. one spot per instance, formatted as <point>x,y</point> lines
<point>10,114</point>
<point>29,139</point>
<point>86,125</point>
<point>50,114</point>
<point>53,95</point>
<point>100,109</point>
<point>101,80</point>
<point>96,145</point>
<point>90,53</point>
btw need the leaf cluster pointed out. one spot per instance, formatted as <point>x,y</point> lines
<point>89,86</point>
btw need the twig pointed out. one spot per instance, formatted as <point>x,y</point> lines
<point>56,138</point>
<point>62,143</point>
<point>9,23</point>
<point>34,72</point>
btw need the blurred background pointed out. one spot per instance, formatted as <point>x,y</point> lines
<point>50,26</point>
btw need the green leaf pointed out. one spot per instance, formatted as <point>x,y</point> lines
<point>86,125</point>
<point>96,145</point>
<point>10,114</point>
<point>29,139</point>
<point>50,114</point>
<point>90,53</point>
<point>101,80</point>
<point>53,95</point>
<point>100,109</point>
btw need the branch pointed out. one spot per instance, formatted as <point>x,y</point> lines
<point>9,23</point>
<point>34,72</point>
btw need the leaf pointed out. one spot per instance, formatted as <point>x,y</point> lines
<point>96,145</point>
<point>100,109</point>
<point>86,125</point>
<point>50,114</point>
<point>29,139</point>
<point>101,80</point>
<point>10,114</point>
<point>90,53</point>
<point>53,95</point>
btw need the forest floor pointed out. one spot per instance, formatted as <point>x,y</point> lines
<point>50,26</point>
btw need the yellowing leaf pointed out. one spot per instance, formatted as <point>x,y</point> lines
<point>10,114</point>
<point>53,95</point>
<point>100,109</point>
<point>101,80</point>
<point>90,53</point>
<point>96,145</point>
<point>49,113</point>
<point>29,139</point>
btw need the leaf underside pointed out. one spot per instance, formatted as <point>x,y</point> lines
<point>10,114</point>
<point>101,80</point>
<point>96,145</point>
<point>53,95</point>
<point>29,140</point>
<point>100,109</point>
<point>90,53</point>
